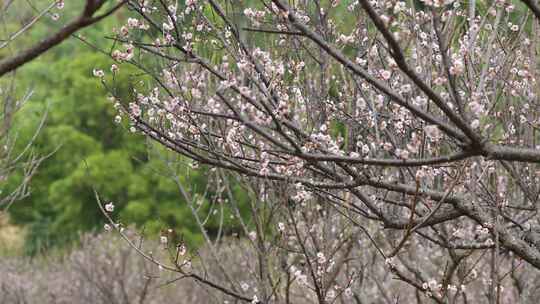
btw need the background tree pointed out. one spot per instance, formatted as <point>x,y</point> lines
<point>87,151</point>
<point>83,149</point>
<point>18,158</point>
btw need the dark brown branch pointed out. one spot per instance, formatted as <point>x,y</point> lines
<point>535,7</point>
<point>278,32</point>
<point>499,152</point>
<point>86,19</point>
<point>391,162</point>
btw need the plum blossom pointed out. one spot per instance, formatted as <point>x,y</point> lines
<point>433,132</point>
<point>98,73</point>
<point>132,22</point>
<point>135,109</point>
<point>109,207</point>
<point>163,239</point>
<point>385,74</point>
<point>107,227</point>
<point>321,259</point>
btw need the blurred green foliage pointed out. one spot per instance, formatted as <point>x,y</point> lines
<point>88,150</point>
